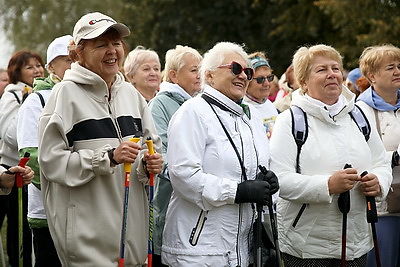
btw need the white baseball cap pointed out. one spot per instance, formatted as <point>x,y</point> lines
<point>59,47</point>
<point>94,24</point>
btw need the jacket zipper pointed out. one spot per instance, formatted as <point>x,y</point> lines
<point>196,231</point>
<point>296,220</point>
<point>114,120</point>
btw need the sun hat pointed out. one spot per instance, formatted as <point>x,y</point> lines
<point>94,24</point>
<point>258,62</point>
<point>58,47</point>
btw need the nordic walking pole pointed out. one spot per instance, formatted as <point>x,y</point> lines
<point>20,184</point>
<point>149,143</point>
<point>372,218</point>
<point>127,169</point>
<point>273,225</point>
<point>344,207</point>
<point>258,235</point>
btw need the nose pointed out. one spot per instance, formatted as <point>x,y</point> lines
<point>243,75</point>
<point>37,69</point>
<point>111,48</point>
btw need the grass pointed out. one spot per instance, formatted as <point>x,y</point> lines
<point>4,241</point>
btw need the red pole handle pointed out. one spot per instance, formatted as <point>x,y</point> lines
<point>22,163</point>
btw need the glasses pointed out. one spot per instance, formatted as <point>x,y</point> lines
<point>261,80</point>
<point>236,69</point>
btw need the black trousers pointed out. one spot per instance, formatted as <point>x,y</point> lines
<point>43,246</point>
<point>12,229</point>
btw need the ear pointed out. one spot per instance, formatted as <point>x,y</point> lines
<point>371,77</point>
<point>50,68</point>
<point>173,75</point>
<point>209,77</point>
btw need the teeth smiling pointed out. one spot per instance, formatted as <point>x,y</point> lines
<point>111,61</point>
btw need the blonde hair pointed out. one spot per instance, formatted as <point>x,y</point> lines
<point>372,58</point>
<point>174,59</point>
<point>305,55</point>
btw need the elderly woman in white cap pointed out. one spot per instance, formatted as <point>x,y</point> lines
<point>84,136</point>
<point>28,118</point>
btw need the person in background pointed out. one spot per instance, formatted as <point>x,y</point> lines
<point>3,80</point>
<point>259,89</point>
<point>3,198</point>
<point>84,141</point>
<point>289,85</point>
<point>274,89</point>
<point>23,68</point>
<point>7,177</point>
<point>362,84</point>
<point>381,103</point>
<point>28,119</point>
<point>351,79</point>
<point>142,68</point>
<point>309,219</point>
<point>210,215</point>
<point>181,82</point>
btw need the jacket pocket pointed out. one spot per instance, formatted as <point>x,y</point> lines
<point>301,211</point>
<point>196,231</point>
<point>70,231</point>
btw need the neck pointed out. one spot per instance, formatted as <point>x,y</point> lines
<point>148,94</point>
<point>390,96</point>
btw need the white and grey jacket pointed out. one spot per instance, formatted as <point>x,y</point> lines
<point>83,195</point>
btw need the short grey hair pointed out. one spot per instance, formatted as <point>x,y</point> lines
<point>136,57</point>
<point>216,55</point>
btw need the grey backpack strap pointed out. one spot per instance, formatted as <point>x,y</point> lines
<point>361,120</point>
<point>299,130</point>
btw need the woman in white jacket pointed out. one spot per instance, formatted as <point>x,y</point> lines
<point>209,217</point>
<point>381,103</point>
<point>309,220</point>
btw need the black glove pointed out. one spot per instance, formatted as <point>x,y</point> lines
<point>270,177</point>
<point>253,191</point>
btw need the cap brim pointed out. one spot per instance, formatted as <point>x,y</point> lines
<point>121,28</point>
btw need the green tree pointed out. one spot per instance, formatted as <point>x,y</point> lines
<point>277,27</point>
<point>34,24</point>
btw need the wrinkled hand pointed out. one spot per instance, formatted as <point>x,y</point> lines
<point>127,152</point>
<point>343,180</point>
<point>154,163</point>
<point>7,179</point>
<point>253,191</point>
<point>370,185</point>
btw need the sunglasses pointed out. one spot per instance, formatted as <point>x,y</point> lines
<point>236,69</point>
<point>261,80</point>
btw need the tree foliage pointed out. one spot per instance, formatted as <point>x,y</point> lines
<point>277,27</point>
<point>33,25</point>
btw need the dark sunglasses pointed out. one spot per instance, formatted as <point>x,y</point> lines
<point>236,69</point>
<point>262,79</point>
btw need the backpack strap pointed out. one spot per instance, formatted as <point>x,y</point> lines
<point>41,98</point>
<point>16,96</point>
<point>299,130</point>
<point>362,122</point>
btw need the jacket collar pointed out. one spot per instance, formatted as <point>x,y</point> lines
<point>223,102</point>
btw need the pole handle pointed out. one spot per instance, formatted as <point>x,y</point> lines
<point>150,146</point>
<point>22,163</point>
<point>127,165</point>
